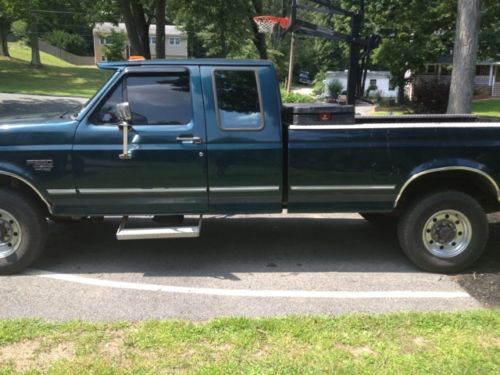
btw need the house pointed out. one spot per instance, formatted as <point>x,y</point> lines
<point>378,83</point>
<point>175,41</point>
<point>486,82</point>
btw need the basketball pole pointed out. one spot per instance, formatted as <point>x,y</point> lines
<point>290,65</point>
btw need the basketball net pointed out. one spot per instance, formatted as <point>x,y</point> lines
<point>267,24</point>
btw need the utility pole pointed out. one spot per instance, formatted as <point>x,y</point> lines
<point>290,65</point>
<point>35,50</point>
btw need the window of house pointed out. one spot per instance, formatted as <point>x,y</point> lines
<point>103,58</point>
<point>155,99</point>
<point>446,70</point>
<point>430,69</point>
<point>238,100</point>
<point>482,70</point>
<point>373,82</point>
<point>392,85</point>
<point>152,40</point>
<point>104,41</point>
<point>174,41</point>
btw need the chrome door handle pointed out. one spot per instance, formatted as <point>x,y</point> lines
<point>188,140</point>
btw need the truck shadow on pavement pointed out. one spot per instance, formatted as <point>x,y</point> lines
<point>228,247</point>
<point>233,245</point>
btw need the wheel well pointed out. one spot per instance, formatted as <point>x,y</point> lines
<point>26,190</point>
<point>468,182</point>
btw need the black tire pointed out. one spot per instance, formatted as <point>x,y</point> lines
<point>32,231</point>
<point>380,220</point>
<point>424,216</point>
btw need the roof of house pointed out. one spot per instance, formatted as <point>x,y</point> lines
<point>107,27</point>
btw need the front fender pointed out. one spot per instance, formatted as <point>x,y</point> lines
<point>24,176</point>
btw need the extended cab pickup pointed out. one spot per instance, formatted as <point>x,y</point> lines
<point>203,137</point>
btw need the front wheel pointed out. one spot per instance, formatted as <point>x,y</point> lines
<point>444,232</point>
<point>23,231</point>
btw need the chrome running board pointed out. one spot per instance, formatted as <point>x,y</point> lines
<point>124,233</point>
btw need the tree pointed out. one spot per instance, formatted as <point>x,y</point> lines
<point>137,23</point>
<point>7,11</point>
<point>116,43</point>
<point>413,34</point>
<point>160,28</point>
<point>464,57</point>
<point>4,29</point>
<point>220,28</point>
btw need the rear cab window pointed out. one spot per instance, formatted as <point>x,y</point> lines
<point>154,99</point>
<point>238,100</point>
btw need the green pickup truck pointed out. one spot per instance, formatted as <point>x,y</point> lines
<point>202,137</point>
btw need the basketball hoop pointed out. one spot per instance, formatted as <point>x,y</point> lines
<point>267,24</point>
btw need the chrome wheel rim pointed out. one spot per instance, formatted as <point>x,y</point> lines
<point>447,233</point>
<point>10,234</point>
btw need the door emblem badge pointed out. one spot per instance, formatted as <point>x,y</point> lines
<point>45,165</point>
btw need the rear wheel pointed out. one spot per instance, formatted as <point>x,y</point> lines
<point>23,231</point>
<point>444,232</point>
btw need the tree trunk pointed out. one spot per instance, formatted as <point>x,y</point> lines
<point>133,35</point>
<point>137,27</point>
<point>35,48</point>
<point>160,29</point>
<point>464,57</point>
<point>142,27</point>
<point>4,47</point>
<point>401,94</point>
<point>259,39</point>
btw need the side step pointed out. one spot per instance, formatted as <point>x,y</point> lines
<point>124,233</point>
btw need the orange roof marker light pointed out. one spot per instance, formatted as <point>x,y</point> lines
<point>136,58</point>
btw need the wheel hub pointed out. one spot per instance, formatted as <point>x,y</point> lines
<point>10,234</point>
<point>447,233</point>
<point>444,231</point>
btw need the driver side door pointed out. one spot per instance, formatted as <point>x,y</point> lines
<point>167,172</point>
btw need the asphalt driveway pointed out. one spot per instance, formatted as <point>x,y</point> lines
<point>253,266</point>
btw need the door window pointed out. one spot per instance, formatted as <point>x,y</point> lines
<point>154,99</point>
<point>238,100</point>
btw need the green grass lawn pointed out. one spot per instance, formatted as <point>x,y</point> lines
<point>56,77</point>
<point>410,343</point>
<point>488,108</point>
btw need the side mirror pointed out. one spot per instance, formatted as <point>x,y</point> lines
<point>123,113</point>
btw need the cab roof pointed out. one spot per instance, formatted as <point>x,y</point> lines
<point>115,65</point>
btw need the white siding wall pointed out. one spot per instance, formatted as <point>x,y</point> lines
<point>383,83</point>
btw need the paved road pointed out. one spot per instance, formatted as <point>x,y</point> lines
<point>262,266</point>
<point>22,105</point>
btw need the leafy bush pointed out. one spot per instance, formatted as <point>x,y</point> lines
<point>318,88</point>
<point>73,43</point>
<point>335,87</point>
<point>318,83</point>
<point>116,43</point>
<point>19,29</point>
<point>430,95</point>
<point>293,97</point>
